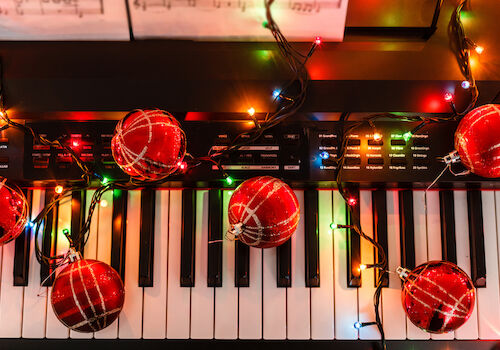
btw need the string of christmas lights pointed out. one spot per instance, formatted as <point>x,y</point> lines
<point>289,100</point>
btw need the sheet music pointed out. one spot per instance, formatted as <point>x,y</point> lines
<point>300,20</point>
<point>63,20</point>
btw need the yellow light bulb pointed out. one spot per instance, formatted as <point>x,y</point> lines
<point>251,111</point>
<point>59,189</point>
<point>377,136</point>
<point>479,49</point>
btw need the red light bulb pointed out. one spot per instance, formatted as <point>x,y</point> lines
<point>352,201</point>
<point>317,41</point>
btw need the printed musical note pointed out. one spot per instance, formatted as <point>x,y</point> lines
<point>237,19</point>
<point>63,20</point>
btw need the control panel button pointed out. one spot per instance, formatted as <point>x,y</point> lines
<point>421,141</point>
<point>291,138</point>
<point>398,161</point>
<point>398,142</point>
<point>329,142</point>
<point>352,161</point>
<point>268,138</point>
<point>269,158</point>
<point>421,161</point>
<point>375,142</point>
<point>328,162</point>
<point>353,142</point>
<point>376,161</point>
<point>222,140</point>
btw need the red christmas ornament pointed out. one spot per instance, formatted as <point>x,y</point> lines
<point>14,209</point>
<point>87,295</point>
<point>263,212</point>
<point>477,140</point>
<point>437,296</point>
<point>148,144</point>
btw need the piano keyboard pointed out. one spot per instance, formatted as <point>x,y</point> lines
<point>180,286</point>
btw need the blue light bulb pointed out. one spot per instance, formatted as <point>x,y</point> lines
<point>276,93</point>
<point>465,84</point>
<point>357,325</point>
<point>324,155</point>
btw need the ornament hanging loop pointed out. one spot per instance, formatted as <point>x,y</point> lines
<point>402,272</point>
<point>451,158</point>
<point>235,231</point>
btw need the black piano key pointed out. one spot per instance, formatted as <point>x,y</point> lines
<point>187,237</point>
<point>242,265</point>
<point>119,231</point>
<point>77,215</point>
<point>215,236</point>
<point>379,205</point>
<point>353,244</point>
<point>49,241</point>
<point>146,249</point>
<point>284,264</point>
<point>406,229</point>
<point>447,211</point>
<point>476,238</point>
<point>22,250</point>
<point>312,238</point>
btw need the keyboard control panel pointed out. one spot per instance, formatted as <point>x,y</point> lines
<point>300,152</point>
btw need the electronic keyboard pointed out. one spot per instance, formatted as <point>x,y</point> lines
<point>183,280</point>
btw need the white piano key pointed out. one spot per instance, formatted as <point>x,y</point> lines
<point>488,299</point>
<point>250,300</point>
<point>54,327</point>
<point>434,242</point>
<point>104,218</point>
<point>298,296</point>
<point>346,299</point>
<point>322,298</point>
<point>179,298</point>
<point>130,319</point>
<point>226,297</point>
<point>420,230</point>
<point>155,298</point>
<point>202,296</point>
<point>11,297</point>
<point>393,314</point>
<point>274,299</point>
<point>470,329</point>
<point>366,310</point>
<point>89,252</point>
<point>35,306</point>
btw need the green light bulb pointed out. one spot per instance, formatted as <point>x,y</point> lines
<point>264,24</point>
<point>333,226</point>
<point>407,136</point>
<point>104,180</point>
<point>229,180</point>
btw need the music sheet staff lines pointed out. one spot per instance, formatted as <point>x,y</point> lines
<point>77,8</point>
<point>296,6</point>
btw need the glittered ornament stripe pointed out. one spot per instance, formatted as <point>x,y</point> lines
<point>263,212</point>
<point>87,295</point>
<point>477,140</point>
<point>412,285</point>
<point>14,209</point>
<point>437,296</point>
<point>148,144</point>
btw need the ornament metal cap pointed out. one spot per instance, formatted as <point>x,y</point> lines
<point>235,231</point>
<point>451,157</point>
<point>74,255</point>
<point>402,272</point>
